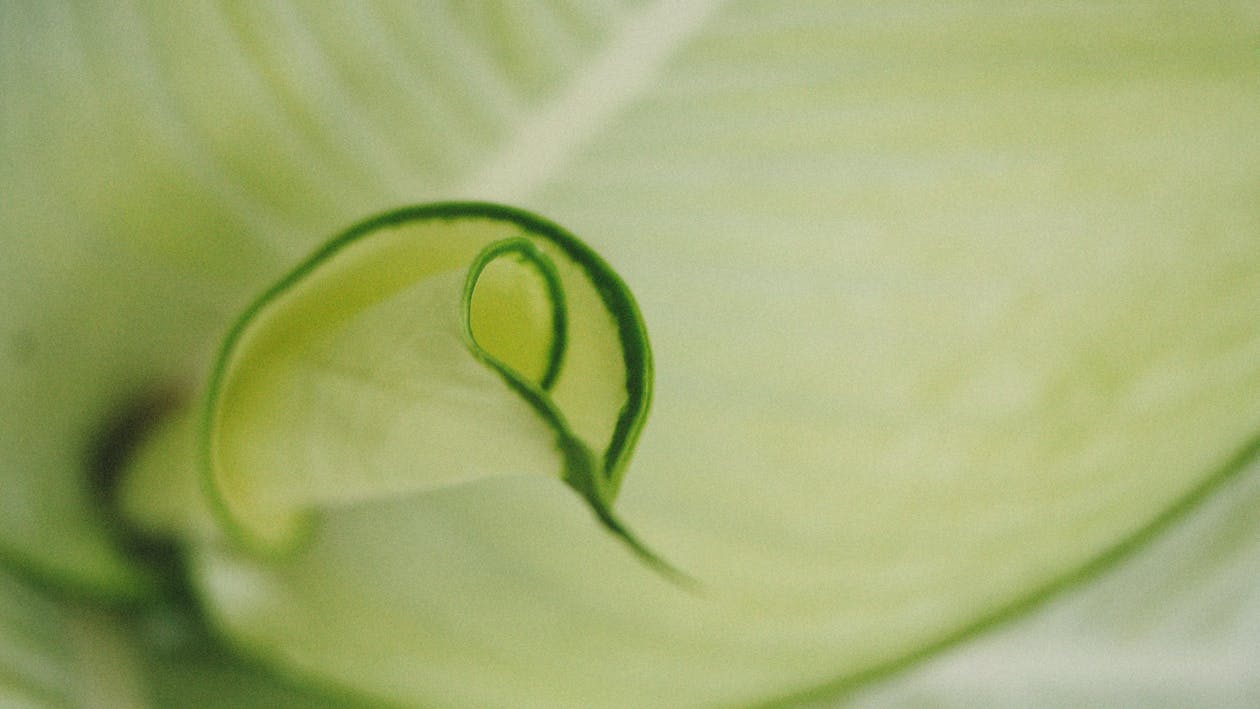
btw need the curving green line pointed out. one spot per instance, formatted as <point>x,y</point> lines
<point>618,301</point>
<point>527,253</point>
<point>581,472</point>
<point>596,477</point>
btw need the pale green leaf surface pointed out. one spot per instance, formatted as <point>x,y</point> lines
<point>101,303</point>
<point>162,495</point>
<point>1173,627</point>
<point>163,162</point>
<point>946,302</point>
<point>59,654</point>
<point>970,289</point>
<point>360,386</point>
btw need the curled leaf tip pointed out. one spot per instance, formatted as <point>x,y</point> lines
<point>427,347</point>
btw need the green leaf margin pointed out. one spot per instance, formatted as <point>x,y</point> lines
<point>597,481</point>
<point>1111,557</point>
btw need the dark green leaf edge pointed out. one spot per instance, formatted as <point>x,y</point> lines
<point>1109,558</point>
<point>210,652</point>
<point>527,254</point>
<point>597,481</point>
<point>133,585</point>
<point>581,473</point>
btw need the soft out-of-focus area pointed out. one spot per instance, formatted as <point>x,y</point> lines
<point>951,305</point>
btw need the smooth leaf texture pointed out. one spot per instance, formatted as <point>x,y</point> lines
<point>951,306</point>
<point>1174,627</point>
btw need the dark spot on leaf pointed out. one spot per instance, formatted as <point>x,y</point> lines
<point>121,434</point>
<point>107,458</point>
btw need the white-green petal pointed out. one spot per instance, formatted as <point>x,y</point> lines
<point>937,333</point>
<point>1174,626</point>
<point>950,303</point>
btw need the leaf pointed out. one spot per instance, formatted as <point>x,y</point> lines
<point>951,307</point>
<point>424,348</point>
